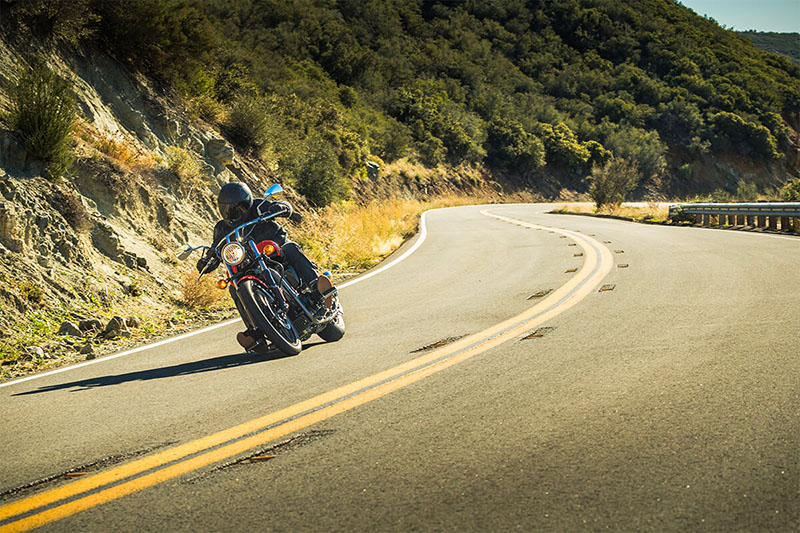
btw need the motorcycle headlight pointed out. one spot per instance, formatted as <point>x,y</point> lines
<point>233,253</point>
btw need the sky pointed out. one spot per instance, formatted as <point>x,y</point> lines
<point>761,15</point>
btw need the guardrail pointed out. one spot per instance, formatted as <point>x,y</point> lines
<point>784,216</point>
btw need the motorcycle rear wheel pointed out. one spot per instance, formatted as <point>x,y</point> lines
<point>278,329</point>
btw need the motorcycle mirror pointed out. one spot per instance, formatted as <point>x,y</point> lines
<point>186,253</point>
<point>273,190</point>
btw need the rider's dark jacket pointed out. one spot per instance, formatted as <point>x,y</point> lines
<point>264,231</point>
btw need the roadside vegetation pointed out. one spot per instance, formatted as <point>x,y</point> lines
<point>653,212</point>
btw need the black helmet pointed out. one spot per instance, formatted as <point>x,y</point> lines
<point>234,200</point>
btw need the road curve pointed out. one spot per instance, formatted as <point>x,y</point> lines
<point>516,370</point>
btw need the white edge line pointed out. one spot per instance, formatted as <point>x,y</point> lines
<point>423,233</point>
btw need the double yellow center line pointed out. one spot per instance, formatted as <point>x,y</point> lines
<point>96,489</point>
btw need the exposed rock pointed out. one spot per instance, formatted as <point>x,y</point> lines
<point>43,220</point>
<point>106,240</point>
<point>132,118</point>
<point>90,325</point>
<point>133,322</point>
<point>373,170</point>
<point>129,259</point>
<point>88,350</point>
<point>52,348</point>
<point>69,328</point>
<point>12,151</point>
<point>88,203</point>
<point>193,142</point>
<point>116,328</point>
<point>207,169</point>
<point>172,127</point>
<point>32,352</point>
<point>14,230</point>
<point>220,153</point>
<point>45,261</point>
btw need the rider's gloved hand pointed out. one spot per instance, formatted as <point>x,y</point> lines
<point>281,206</point>
<point>208,263</point>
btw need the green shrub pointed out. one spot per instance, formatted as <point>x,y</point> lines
<point>746,192</point>
<point>32,292</point>
<point>613,181</point>
<point>185,165</point>
<point>562,145</point>
<point>735,133</point>
<point>249,124</point>
<point>791,191</point>
<point>509,142</point>
<point>42,107</point>
<point>318,177</point>
<point>71,20</point>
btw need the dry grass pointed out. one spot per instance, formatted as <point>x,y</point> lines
<point>356,237</point>
<point>651,212</point>
<point>200,294</point>
<point>119,150</point>
<point>186,166</point>
<point>115,149</point>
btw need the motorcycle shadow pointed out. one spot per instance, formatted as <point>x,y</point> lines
<point>212,364</point>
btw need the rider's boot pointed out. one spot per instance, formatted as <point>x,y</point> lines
<point>325,284</point>
<point>245,339</point>
<point>251,342</point>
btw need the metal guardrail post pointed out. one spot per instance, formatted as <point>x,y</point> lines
<point>773,222</point>
<point>773,215</point>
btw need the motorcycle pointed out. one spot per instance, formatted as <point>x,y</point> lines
<point>271,299</point>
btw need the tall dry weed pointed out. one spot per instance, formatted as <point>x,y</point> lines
<point>200,294</point>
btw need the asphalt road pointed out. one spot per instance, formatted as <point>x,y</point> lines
<point>670,402</point>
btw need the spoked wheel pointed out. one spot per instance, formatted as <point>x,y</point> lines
<point>274,324</point>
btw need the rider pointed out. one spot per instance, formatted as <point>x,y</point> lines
<point>235,202</point>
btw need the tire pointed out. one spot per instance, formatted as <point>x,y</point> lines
<point>279,331</point>
<point>334,330</point>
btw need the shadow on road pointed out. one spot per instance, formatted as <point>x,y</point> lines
<point>195,367</point>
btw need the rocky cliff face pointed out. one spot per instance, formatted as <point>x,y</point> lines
<point>102,242</point>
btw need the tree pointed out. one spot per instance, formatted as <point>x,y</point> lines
<point>611,182</point>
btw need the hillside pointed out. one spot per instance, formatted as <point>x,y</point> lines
<point>787,44</point>
<point>380,105</point>
<point>538,92</point>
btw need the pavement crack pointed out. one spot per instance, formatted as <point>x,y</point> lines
<point>539,332</point>
<point>438,344</point>
<point>78,471</point>
<point>265,454</point>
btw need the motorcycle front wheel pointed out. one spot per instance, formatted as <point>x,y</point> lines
<point>273,324</point>
<point>334,331</point>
